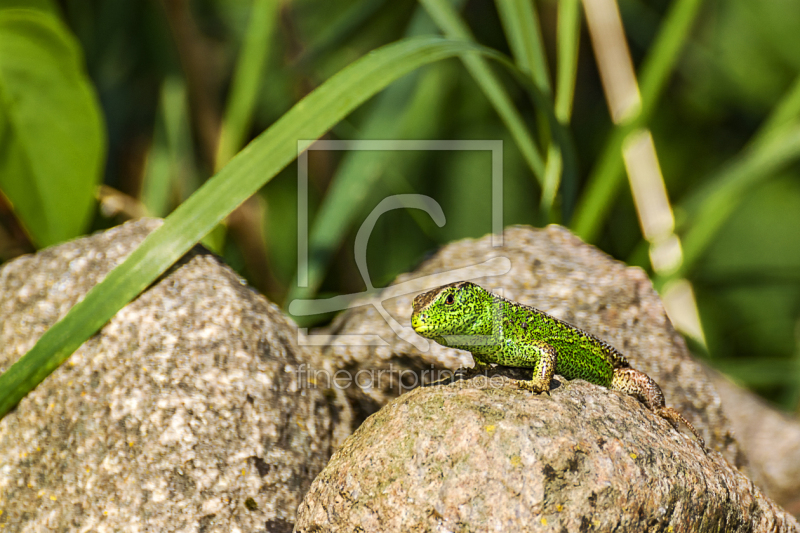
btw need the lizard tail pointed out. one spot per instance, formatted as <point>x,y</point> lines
<point>675,418</point>
<point>642,387</point>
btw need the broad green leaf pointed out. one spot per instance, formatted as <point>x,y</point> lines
<point>248,171</point>
<point>50,127</point>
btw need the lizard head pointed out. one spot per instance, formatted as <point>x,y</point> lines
<point>448,310</point>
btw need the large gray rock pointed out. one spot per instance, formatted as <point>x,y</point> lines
<point>482,455</point>
<point>186,412</point>
<point>769,439</point>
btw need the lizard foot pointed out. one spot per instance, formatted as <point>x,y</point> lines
<point>533,386</point>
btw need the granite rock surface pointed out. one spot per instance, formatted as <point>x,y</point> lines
<point>186,411</point>
<point>482,455</point>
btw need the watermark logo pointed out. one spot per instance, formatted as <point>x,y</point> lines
<point>495,266</point>
<point>403,379</point>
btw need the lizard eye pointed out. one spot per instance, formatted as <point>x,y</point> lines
<point>449,300</point>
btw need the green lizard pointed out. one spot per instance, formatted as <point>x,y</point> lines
<point>496,330</point>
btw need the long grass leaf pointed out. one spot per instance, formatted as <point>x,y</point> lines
<point>247,79</point>
<point>568,39</point>
<point>786,113</point>
<point>607,175</point>
<point>758,372</point>
<point>453,27</point>
<point>249,170</point>
<point>170,161</point>
<point>391,117</point>
<point>521,26</point>
<point>732,185</point>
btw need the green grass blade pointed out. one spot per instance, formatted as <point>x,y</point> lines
<point>350,187</point>
<point>249,170</point>
<point>783,115</point>
<point>453,27</point>
<point>247,79</point>
<point>568,39</point>
<point>730,187</point>
<point>340,29</point>
<point>552,177</point>
<point>170,161</point>
<point>562,159</point>
<point>521,26</point>
<point>772,147</point>
<point>758,372</point>
<point>660,61</point>
<point>562,155</point>
<point>404,110</point>
<point>569,35</point>
<point>607,175</point>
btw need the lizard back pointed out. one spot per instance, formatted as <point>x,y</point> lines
<point>581,355</point>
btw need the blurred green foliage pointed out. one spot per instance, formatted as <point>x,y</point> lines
<point>183,84</point>
<point>50,126</point>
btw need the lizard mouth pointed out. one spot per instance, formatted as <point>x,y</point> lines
<point>418,324</point>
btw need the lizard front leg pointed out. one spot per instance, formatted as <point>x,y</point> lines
<point>542,357</point>
<point>643,388</point>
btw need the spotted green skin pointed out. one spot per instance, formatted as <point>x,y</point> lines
<point>519,337</point>
<point>466,316</point>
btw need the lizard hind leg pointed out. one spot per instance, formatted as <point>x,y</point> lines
<point>642,387</point>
